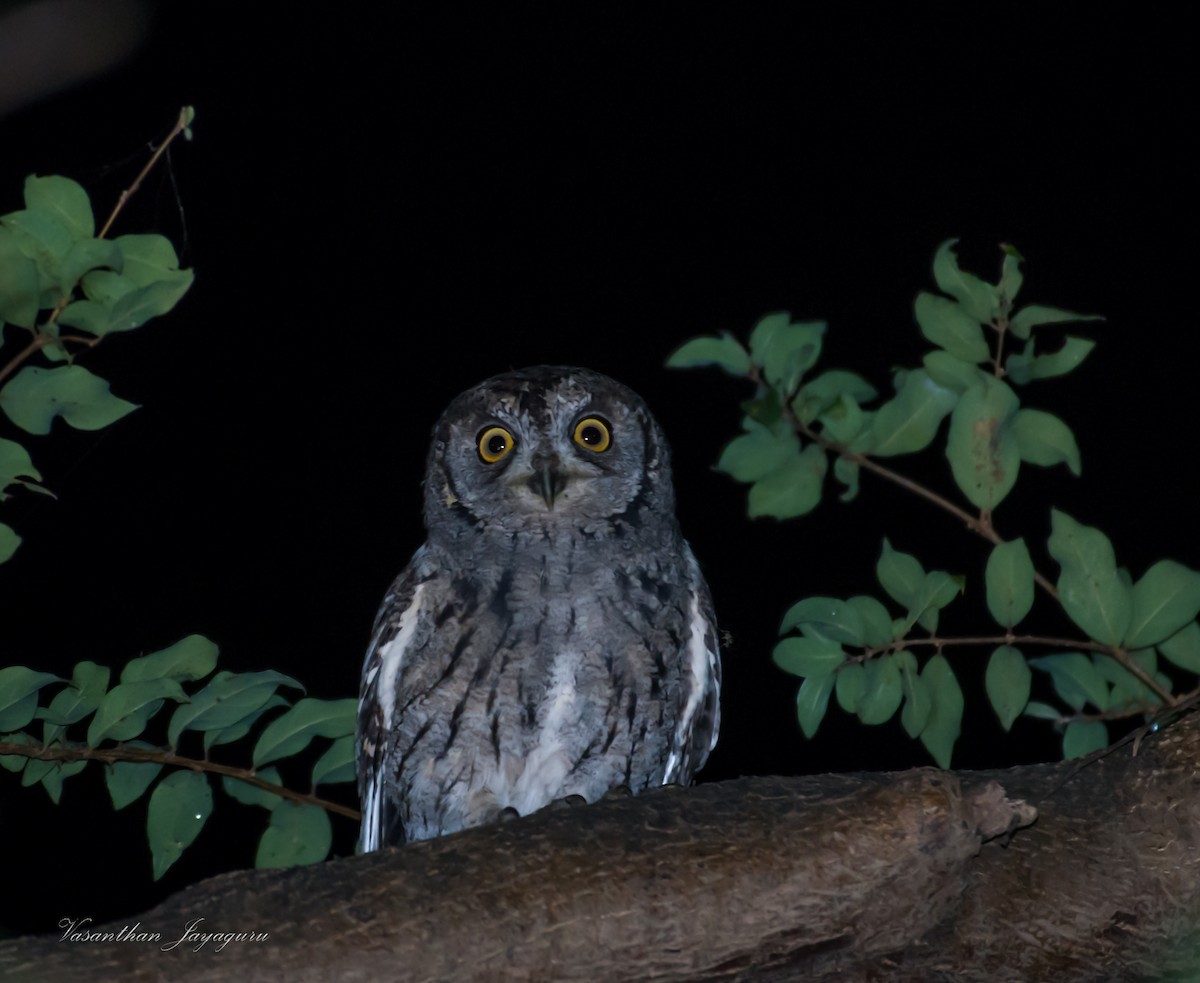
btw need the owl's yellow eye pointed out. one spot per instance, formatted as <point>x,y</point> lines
<point>495,444</point>
<point>592,433</point>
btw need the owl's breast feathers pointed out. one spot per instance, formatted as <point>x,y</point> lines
<point>567,669</point>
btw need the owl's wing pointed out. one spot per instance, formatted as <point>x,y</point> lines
<point>391,641</point>
<point>696,729</point>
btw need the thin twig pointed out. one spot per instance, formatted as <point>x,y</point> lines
<point>164,756</point>
<point>181,124</point>
<point>1041,640</point>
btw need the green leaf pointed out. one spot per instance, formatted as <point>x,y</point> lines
<point>808,656</point>
<point>229,698</point>
<point>309,718</point>
<point>297,834</point>
<point>252,795</point>
<point>128,706</point>
<point>812,701</point>
<point>877,623</point>
<point>140,305</point>
<point>725,351</point>
<point>19,688</point>
<point>235,732</point>
<point>53,780</point>
<point>918,701</point>
<point>85,255</point>
<point>756,454</point>
<point>1043,439</point>
<point>128,780</point>
<point>952,373</point>
<point>844,421</point>
<point>82,697</point>
<point>1041,711</point>
<point>851,686</point>
<point>19,288</point>
<point>65,200</point>
<point>1183,648</point>
<point>979,299</point>
<point>1030,317</point>
<point>192,657</point>
<point>901,575</point>
<point>1008,681</point>
<point>884,691</point>
<point>337,764</point>
<point>1089,588</point>
<point>846,471</point>
<point>1083,737</point>
<point>1076,679</point>
<point>1073,351</point>
<point>149,258</point>
<point>839,620</point>
<point>823,391</point>
<point>909,421</point>
<point>9,541</point>
<point>1164,600</point>
<point>16,467</point>
<point>793,490</point>
<point>1127,689</point>
<point>1011,277</point>
<point>35,396</point>
<point>792,349</point>
<point>1009,580</point>
<point>982,452</point>
<point>949,326</point>
<point>44,239</point>
<point>945,717</point>
<point>179,807</point>
<point>936,591</point>
<point>15,762</point>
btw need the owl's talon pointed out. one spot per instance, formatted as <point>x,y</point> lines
<point>567,802</point>
<point>507,815</point>
<point>618,792</point>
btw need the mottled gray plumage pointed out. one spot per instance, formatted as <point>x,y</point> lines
<point>554,635</point>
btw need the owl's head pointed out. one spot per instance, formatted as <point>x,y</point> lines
<point>547,446</point>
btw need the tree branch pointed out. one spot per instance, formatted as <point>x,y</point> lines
<point>911,876</point>
<point>165,756</point>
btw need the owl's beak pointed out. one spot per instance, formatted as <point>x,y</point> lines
<point>548,482</point>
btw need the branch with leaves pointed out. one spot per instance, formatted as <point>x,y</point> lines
<point>225,710</point>
<point>57,273</point>
<point>854,648</point>
<point>49,255</point>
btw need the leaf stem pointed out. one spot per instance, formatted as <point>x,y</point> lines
<point>1009,639</point>
<point>165,756</point>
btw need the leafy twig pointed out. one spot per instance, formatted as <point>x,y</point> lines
<point>981,525</point>
<point>41,337</point>
<point>164,756</point>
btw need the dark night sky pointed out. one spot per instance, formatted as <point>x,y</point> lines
<point>384,208</point>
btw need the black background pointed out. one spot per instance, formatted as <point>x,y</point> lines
<point>385,205</point>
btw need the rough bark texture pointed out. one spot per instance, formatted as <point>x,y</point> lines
<point>858,877</point>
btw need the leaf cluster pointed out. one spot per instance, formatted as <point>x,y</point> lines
<point>63,289</point>
<point>87,720</point>
<point>802,423</point>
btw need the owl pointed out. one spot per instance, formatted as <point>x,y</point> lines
<point>553,637</point>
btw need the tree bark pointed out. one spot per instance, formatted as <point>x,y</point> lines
<point>920,875</point>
